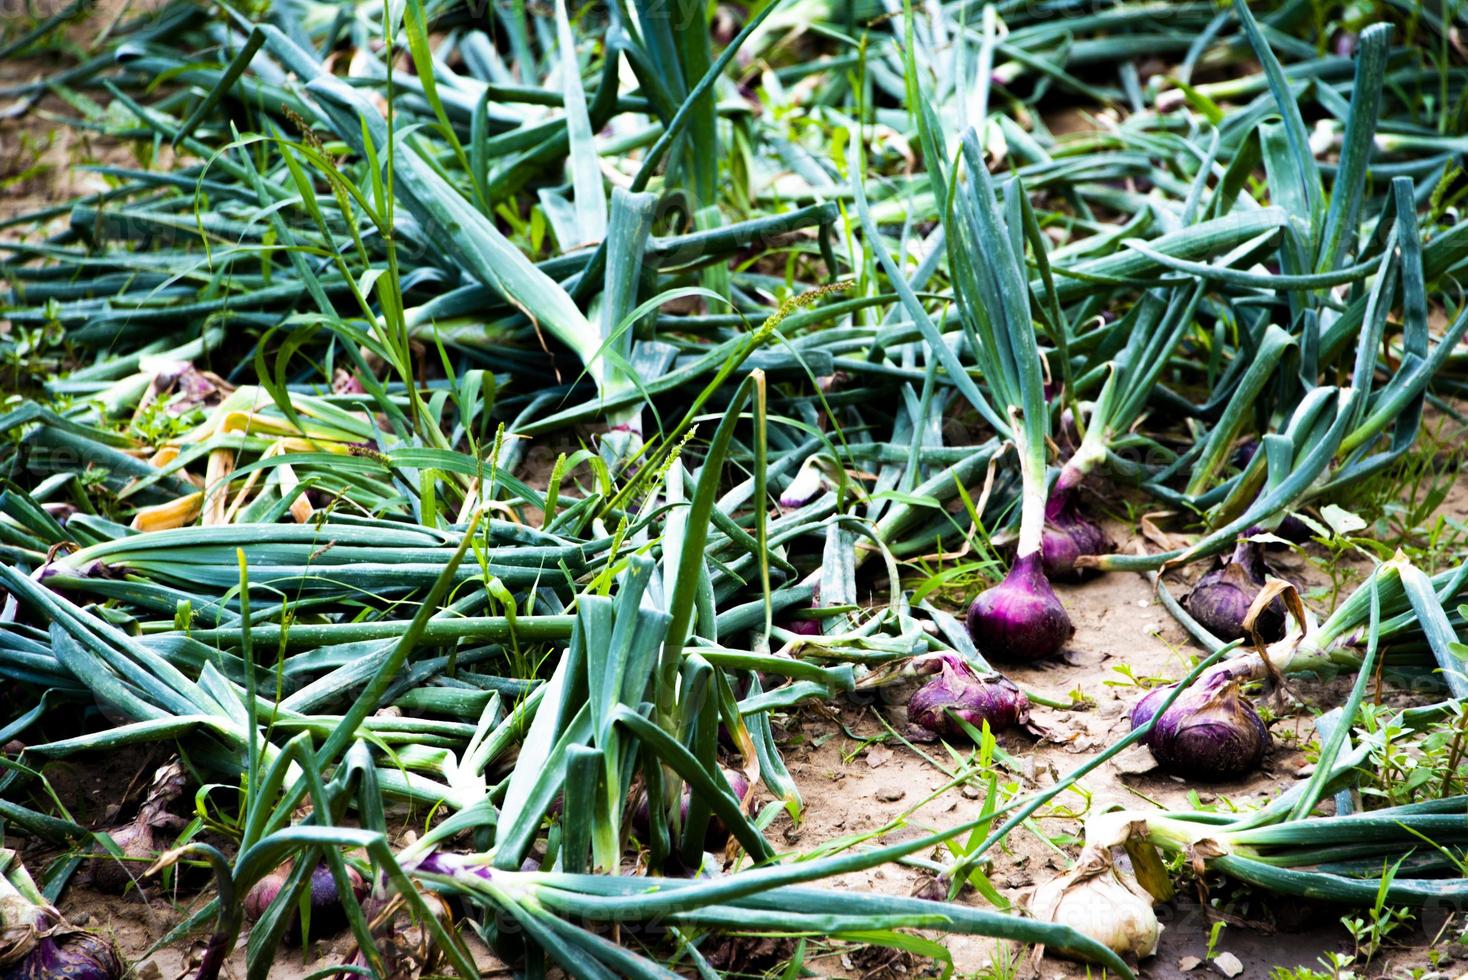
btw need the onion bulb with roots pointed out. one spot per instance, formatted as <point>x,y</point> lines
<point>1220,601</point>
<point>1020,619</point>
<point>1100,900</point>
<point>1210,732</point>
<point>961,691</point>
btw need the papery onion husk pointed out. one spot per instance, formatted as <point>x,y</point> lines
<point>1220,601</point>
<point>1099,900</point>
<point>961,691</point>
<point>67,954</point>
<point>1210,732</point>
<point>403,946</point>
<point>36,943</point>
<point>183,387</point>
<point>1020,619</point>
<point>138,839</point>
<point>328,911</point>
<point>138,844</point>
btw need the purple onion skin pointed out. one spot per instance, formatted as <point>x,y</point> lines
<point>136,841</point>
<point>1294,530</point>
<point>716,836</point>
<point>1243,454</point>
<point>68,956</point>
<point>1221,599</point>
<point>1211,733</point>
<point>451,865</point>
<point>1067,434</point>
<point>1020,620</point>
<point>214,956</point>
<point>1068,533</point>
<point>327,911</point>
<point>139,838</point>
<point>803,627</point>
<point>959,690</point>
<point>1146,707</point>
<point>60,512</point>
<point>1066,537</point>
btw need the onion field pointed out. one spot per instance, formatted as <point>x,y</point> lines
<point>733,488</point>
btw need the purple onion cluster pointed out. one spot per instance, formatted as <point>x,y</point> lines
<point>328,913</point>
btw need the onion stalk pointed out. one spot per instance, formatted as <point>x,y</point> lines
<point>1153,328</point>
<point>1020,619</point>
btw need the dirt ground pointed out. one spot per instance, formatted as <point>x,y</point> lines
<point>852,780</point>
<point>1119,623</point>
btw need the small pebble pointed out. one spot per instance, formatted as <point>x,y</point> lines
<point>891,794</point>
<point>1228,964</point>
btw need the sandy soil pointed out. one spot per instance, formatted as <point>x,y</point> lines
<point>1119,624</point>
